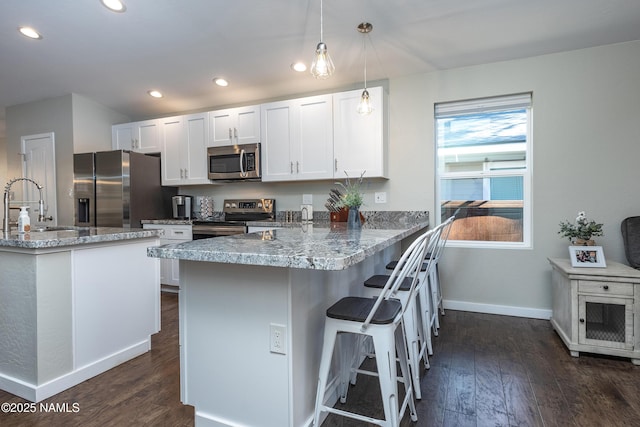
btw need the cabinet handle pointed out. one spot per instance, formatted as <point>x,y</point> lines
<point>230,134</point>
<point>235,133</point>
<point>186,173</point>
<point>581,320</point>
<point>297,167</point>
<point>605,287</point>
<point>291,168</point>
<point>335,166</point>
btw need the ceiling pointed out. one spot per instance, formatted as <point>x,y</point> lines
<point>177,47</point>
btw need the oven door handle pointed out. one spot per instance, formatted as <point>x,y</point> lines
<point>243,160</point>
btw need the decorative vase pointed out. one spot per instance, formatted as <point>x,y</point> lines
<point>353,221</point>
<point>584,242</point>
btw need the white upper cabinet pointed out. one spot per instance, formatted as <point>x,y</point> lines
<point>143,137</point>
<point>360,141</point>
<point>235,126</point>
<point>184,152</point>
<point>297,139</point>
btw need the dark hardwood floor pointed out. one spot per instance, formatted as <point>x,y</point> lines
<point>487,370</point>
<point>144,391</point>
<point>490,370</point>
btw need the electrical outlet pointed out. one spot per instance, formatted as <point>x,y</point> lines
<point>307,199</point>
<point>381,197</point>
<point>277,338</point>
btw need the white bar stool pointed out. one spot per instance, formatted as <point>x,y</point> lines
<point>381,319</point>
<point>416,309</point>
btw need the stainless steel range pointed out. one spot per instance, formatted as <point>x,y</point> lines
<point>238,213</point>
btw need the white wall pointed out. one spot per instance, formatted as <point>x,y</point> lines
<point>3,161</point>
<point>586,149</point>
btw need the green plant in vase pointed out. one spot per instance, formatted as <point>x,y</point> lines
<point>352,198</point>
<point>581,231</point>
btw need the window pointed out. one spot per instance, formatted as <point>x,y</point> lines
<point>483,152</point>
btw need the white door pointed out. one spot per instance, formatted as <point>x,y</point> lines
<point>39,164</point>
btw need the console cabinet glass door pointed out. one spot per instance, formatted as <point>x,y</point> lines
<point>605,321</point>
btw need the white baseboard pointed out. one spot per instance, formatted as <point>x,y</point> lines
<point>504,310</point>
<point>36,393</point>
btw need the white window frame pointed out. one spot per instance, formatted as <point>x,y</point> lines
<point>498,103</point>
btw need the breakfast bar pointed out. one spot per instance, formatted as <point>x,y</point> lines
<point>252,310</point>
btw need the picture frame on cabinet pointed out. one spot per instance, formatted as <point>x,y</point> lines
<point>587,256</point>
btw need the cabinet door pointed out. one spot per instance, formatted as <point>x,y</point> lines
<point>195,148</point>
<point>147,139</point>
<point>247,129</point>
<point>235,126</point>
<point>122,136</point>
<point>143,137</point>
<point>605,321</point>
<point>313,151</point>
<point>359,140</point>
<point>221,127</point>
<point>276,129</point>
<point>172,165</point>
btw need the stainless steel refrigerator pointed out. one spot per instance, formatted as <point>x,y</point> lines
<point>118,189</point>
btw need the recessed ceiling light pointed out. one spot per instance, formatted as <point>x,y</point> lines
<point>220,81</point>
<point>299,67</point>
<point>30,32</point>
<point>155,93</point>
<point>115,5</point>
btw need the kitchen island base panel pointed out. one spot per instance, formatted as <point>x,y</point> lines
<point>72,315</point>
<point>225,315</point>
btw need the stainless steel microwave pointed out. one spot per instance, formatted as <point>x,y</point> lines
<point>234,162</point>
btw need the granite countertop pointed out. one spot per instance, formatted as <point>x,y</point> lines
<point>71,236</point>
<point>323,246</point>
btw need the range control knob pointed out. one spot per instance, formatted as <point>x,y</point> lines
<point>227,205</point>
<point>260,205</point>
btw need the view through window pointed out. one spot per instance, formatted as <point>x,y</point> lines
<point>483,168</point>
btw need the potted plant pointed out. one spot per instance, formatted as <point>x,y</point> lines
<point>352,198</point>
<point>582,231</point>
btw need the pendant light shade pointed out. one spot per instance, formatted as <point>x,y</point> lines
<point>322,66</point>
<point>364,107</point>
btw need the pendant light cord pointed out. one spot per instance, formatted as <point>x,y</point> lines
<point>364,48</point>
<point>321,23</point>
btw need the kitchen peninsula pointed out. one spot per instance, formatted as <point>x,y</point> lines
<point>252,309</point>
<point>74,302</point>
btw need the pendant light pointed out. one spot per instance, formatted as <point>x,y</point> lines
<point>364,107</point>
<point>322,66</point>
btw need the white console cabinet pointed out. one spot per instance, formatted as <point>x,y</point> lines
<point>169,268</point>
<point>597,310</point>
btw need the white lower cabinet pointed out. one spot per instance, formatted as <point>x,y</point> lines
<point>169,268</point>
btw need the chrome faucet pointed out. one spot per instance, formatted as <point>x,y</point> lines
<point>7,188</point>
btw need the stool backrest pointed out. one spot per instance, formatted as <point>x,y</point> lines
<point>444,236</point>
<point>408,265</point>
